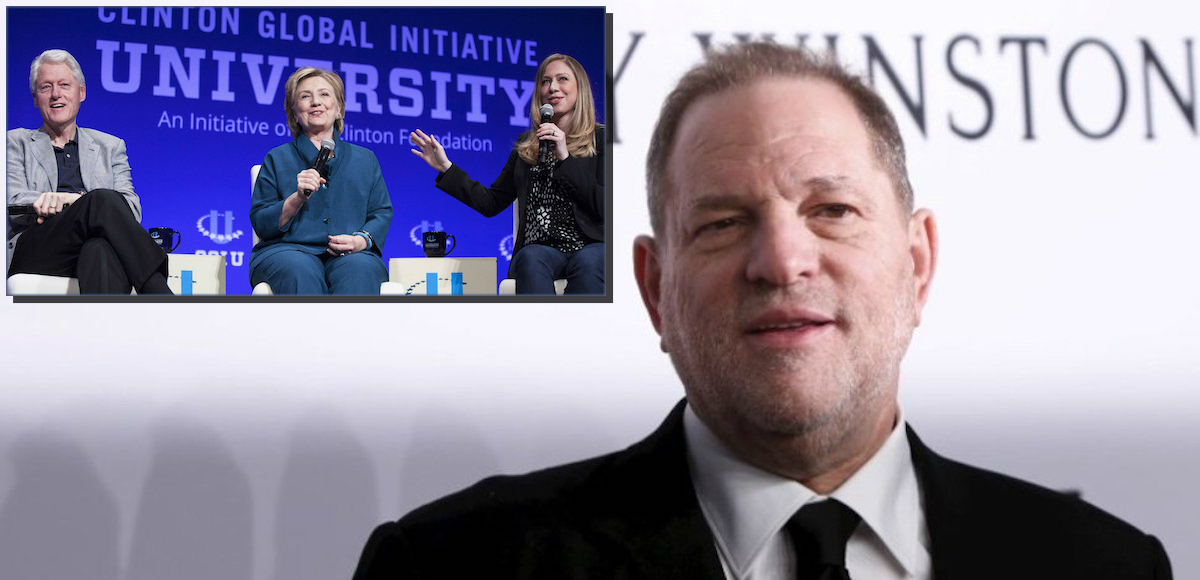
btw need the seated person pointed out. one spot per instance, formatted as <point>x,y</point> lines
<point>319,234</point>
<point>86,220</point>
<point>560,231</point>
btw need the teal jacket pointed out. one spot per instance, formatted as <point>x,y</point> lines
<point>355,198</point>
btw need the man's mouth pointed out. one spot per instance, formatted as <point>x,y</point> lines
<point>794,325</point>
<point>789,327</point>
<point>58,105</point>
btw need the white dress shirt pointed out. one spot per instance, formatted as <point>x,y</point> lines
<point>747,508</point>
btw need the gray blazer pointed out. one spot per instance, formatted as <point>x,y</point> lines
<point>33,170</point>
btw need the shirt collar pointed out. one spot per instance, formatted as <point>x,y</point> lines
<point>746,506</point>
<point>74,141</point>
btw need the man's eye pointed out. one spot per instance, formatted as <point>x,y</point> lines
<point>719,225</point>
<point>834,210</point>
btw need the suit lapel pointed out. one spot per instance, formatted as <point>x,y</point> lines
<point>953,536</point>
<point>43,152</point>
<point>659,520</point>
<point>88,156</point>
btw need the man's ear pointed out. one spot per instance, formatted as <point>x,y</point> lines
<point>648,271</point>
<point>923,246</point>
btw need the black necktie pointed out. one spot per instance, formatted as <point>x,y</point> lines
<point>819,532</point>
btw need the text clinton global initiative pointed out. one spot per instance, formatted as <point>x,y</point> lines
<point>180,71</point>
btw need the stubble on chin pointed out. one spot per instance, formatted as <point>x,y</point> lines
<point>791,412</point>
<point>782,415</point>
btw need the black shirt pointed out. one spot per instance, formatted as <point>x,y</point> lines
<point>70,178</point>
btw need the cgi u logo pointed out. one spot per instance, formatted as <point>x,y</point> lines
<point>415,233</point>
<point>235,258</point>
<point>507,243</point>
<point>213,232</point>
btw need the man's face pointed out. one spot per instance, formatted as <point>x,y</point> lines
<point>789,278</point>
<point>57,94</point>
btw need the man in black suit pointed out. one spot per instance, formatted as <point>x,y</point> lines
<point>786,276</point>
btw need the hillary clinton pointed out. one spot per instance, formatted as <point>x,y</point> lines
<point>321,233</point>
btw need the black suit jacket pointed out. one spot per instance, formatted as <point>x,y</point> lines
<point>634,514</point>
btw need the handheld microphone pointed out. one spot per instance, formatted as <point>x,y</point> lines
<point>322,159</point>
<point>544,146</point>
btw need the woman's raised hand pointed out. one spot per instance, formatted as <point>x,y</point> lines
<point>430,150</point>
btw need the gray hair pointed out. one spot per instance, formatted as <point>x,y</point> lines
<point>743,64</point>
<point>51,56</point>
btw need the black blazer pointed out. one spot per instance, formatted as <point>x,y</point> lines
<point>582,180</point>
<point>634,514</point>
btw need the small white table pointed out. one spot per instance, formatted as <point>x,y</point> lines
<point>442,276</point>
<point>189,274</point>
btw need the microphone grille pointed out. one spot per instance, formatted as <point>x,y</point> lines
<point>327,144</point>
<point>546,110</point>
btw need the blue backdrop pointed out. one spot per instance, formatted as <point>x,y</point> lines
<point>197,94</point>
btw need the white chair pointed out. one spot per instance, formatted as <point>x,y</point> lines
<point>264,289</point>
<point>390,288</point>
<point>20,284</point>
<point>508,286</point>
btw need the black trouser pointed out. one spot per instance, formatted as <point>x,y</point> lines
<point>97,240</point>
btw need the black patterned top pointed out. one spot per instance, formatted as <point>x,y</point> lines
<point>549,216</point>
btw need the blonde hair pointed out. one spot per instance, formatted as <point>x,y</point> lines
<point>581,138</point>
<point>289,99</point>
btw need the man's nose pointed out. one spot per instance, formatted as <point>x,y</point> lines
<point>783,251</point>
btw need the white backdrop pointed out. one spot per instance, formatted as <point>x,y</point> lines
<point>248,441</point>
